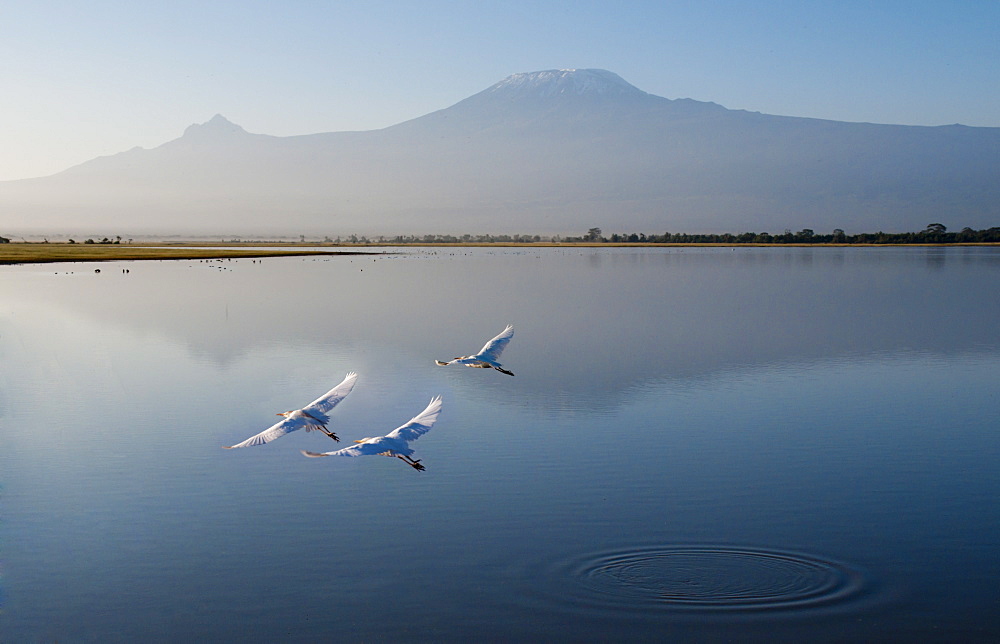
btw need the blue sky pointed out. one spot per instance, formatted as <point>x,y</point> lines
<point>83,79</point>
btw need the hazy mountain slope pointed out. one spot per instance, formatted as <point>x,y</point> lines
<point>556,151</point>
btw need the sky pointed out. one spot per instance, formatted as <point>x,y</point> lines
<point>81,79</point>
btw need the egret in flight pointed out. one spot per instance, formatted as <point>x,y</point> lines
<point>488,355</point>
<point>312,416</point>
<point>395,443</point>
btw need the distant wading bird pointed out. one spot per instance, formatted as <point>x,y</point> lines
<point>395,443</point>
<point>488,355</point>
<point>312,416</point>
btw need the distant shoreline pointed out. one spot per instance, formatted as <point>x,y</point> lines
<point>51,252</point>
<point>47,253</point>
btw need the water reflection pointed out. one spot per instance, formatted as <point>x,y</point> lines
<point>666,313</point>
<point>812,427</point>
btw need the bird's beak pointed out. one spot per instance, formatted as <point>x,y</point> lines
<point>358,441</point>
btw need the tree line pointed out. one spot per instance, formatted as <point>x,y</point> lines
<point>933,234</point>
<point>116,240</point>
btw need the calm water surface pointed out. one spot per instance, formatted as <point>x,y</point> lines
<point>699,445</point>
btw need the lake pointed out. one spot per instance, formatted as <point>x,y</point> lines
<point>699,444</point>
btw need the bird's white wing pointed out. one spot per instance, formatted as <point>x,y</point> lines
<point>329,400</point>
<point>419,424</point>
<point>492,349</point>
<point>361,449</point>
<point>276,430</point>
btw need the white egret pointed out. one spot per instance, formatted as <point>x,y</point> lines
<point>312,416</point>
<point>488,355</point>
<point>396,442</point>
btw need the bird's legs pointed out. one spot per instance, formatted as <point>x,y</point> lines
<point>501,370</point>
<point>415,464</point>
<point>320,425</point>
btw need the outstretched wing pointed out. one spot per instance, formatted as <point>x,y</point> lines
<point>492,349</point>
<point>277,430</point>
<point>419,424</point>
<point>329,400</point>
<point>369,448</point>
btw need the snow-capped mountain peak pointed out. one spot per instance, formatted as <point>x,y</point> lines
<point>555,82</point>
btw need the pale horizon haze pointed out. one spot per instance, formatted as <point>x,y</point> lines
<point>82,80</point>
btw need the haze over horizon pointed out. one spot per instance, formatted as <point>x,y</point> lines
<point>550,152</point>
<point>84,80</point>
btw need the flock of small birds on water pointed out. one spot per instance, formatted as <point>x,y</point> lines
<point>395,444</point>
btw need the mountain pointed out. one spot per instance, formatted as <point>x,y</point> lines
<point>555,151</point>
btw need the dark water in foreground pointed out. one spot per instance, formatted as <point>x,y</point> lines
<point>699,445</point>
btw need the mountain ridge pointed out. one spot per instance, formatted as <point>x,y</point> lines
<point>556,151</point>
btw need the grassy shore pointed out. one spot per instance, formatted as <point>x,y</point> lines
<point>38,253</point>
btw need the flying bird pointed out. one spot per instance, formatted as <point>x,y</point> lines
<point>488,355</point>
<point>396,442</point>
<point>312,416</point>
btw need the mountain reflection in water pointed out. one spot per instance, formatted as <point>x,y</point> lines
<point>784,443</point>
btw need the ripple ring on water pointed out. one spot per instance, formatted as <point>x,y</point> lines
<point>713,578</point>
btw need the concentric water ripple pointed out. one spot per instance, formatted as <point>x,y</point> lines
<point>711,578</point>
